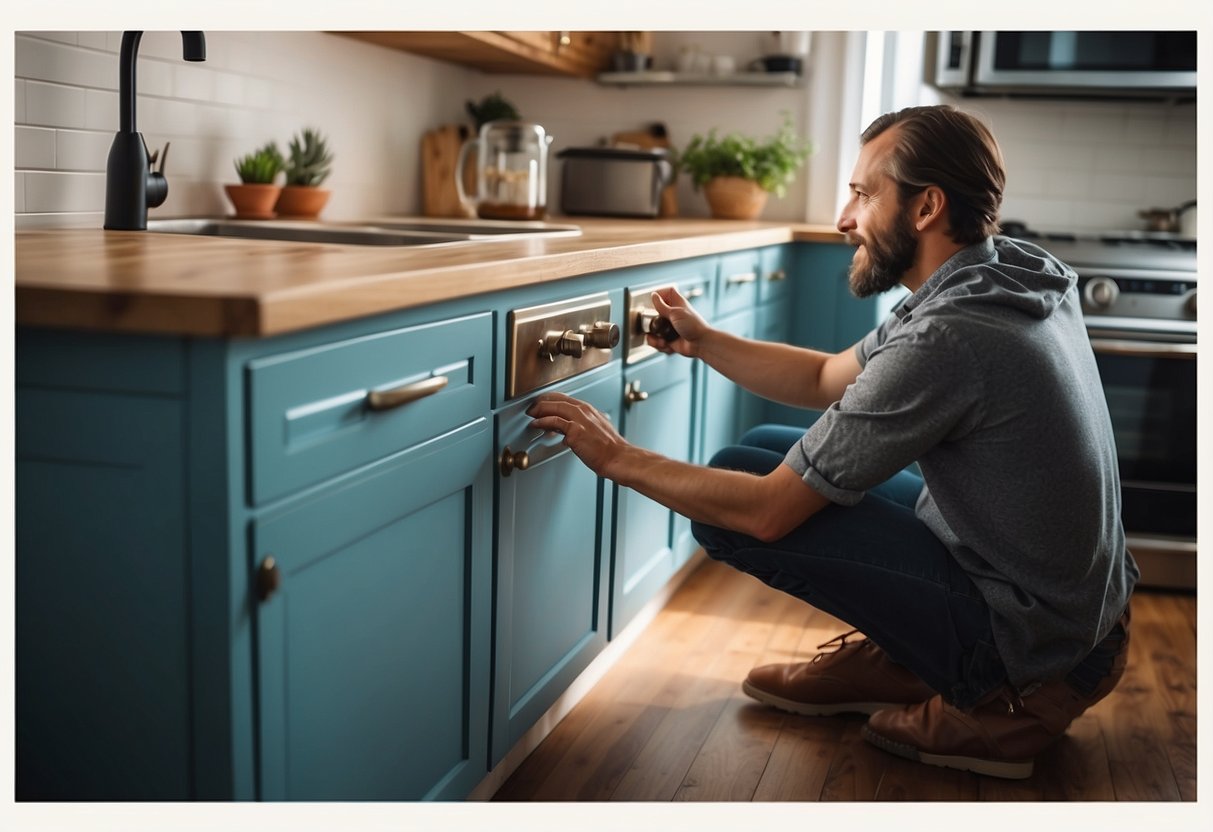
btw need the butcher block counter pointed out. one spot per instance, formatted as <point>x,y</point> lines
<point>152,282</point>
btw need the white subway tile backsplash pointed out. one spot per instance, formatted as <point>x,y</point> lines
<point>1118,158</point>
<point>1092,128</point>
<point>1170,161</point>
<point>51,61</point>
<point>1145,128</point>
<point>229,89</point>
<point>1098,215</point>
<point>1169,191</point>
<point>81,150</point>
<point>1118,186</point>
<point>193,81</point>
<point>101,110</point>
<point>1068,184</point>
<point>1181,130</point>
<point>53,105</point>
<point>61,37</point>
<point>95,40</point>
<point>19,101</point>
<point>152,78</point>
<point>19,193</point>
<point>34,147</point>
<point>53,192</point>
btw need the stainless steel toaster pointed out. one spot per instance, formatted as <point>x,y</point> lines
<point>612,181</point>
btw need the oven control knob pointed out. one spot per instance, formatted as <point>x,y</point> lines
<point>1101,292</point>
<point>1190,303</point>
<point>603,335</point>
<point>562,343</point>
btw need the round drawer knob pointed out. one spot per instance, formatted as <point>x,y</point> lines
<point>603,335</point>
<point>269,578</point>
<point>513,460</point>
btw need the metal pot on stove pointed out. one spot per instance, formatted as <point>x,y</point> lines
<point>1181,219</point>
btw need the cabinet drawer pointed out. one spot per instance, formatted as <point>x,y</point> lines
<point>312,414</point>
<point>774,274</point>
<point>738,286</point>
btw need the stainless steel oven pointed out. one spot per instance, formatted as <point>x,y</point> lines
<point>1139,303</point>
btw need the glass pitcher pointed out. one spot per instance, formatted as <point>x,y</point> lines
<point>511,171</point>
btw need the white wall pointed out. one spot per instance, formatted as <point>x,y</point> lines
<point>374,103</point>
<point>1072,164</point>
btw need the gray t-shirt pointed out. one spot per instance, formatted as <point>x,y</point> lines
<point>985,377</point>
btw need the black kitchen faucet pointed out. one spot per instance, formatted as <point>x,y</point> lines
<point>131,186</point>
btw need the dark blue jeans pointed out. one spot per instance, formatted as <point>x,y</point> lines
<point>876,566</point>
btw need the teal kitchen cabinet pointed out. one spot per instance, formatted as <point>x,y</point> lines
<point>294,568</point>
<point>102,570</point>
<point>553,569</point>
<point>659,413</point>
<point>728,410</point>
<point>255,569</point>
<point>373,623</point>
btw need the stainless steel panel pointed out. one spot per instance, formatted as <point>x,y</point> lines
<point>528,364</point>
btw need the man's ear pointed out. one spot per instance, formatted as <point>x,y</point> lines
<point>932,207</point>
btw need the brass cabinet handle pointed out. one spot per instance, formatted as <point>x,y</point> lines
<point>514,460</point>
<point>269,578</point>
<point>632,393</point>
<point>739,279</point>
<point>778,274</point>
<point>398,396</point>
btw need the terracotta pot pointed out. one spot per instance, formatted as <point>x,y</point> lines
<point>734,198</point>
<point>301,201</point>
<point>253,202</point>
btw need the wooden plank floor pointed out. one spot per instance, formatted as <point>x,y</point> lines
<point>669,721</point>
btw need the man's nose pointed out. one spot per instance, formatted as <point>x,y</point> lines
<point>845,222</point>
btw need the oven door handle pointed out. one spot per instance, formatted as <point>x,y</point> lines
<point>1143,349</point>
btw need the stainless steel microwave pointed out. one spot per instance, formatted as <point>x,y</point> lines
<point>1122,63</point>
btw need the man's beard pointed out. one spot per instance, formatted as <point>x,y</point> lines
<point>887,263</point>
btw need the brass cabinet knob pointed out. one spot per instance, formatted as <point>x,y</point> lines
<point>514,460</point>
<point>269,578</point>
<point>568,343</point>
<point>603,335</point>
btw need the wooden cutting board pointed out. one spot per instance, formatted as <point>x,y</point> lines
<point>655,136</point>
<point>439,153</point>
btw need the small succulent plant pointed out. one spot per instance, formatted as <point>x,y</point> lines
<point>310,160</point>
<point>261,166</point>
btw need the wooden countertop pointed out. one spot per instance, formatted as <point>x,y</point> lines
<point>133,281</point>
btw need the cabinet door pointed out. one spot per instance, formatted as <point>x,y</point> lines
<point>725,417</point>
<point>650,540</point>
<point>102,677</point>
<point>553,536</point>
<point>374,650</point>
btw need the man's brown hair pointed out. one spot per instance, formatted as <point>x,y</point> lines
<point>942,146</point>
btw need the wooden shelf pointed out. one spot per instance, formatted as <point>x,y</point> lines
<point>575,54</point>
<point>736,79</point>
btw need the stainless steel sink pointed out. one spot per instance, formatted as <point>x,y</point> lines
<point>385,232</point>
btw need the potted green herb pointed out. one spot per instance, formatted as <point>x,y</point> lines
<point>255,196</point>
<point>308,165</point>
<point>737,172</point>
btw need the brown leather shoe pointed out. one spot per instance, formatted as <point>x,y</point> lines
<point>1000,735</point>
<point>858,677</point>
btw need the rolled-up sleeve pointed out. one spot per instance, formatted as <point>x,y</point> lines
<point>918,387</point>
